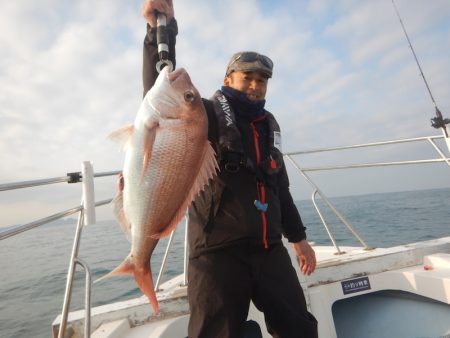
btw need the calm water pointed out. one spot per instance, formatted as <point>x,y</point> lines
<point>33,265</point>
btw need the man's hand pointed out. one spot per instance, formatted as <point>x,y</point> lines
<point>162,6</point>
<point>306,256</point>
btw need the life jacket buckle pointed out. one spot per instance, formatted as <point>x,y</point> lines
<point>232,167</point>
<point>261,206</point>
<point>232,161</point>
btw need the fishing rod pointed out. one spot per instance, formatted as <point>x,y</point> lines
<point>438,121</point>
<point>162,40</point>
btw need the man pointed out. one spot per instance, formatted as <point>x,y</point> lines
<point>235,225</point>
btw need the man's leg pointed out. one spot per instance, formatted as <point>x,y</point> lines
<point>280,296</point>
<point>219,294</point>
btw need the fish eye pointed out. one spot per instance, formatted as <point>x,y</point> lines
<point>189,96</point>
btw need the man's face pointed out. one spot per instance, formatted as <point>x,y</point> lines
<point>253,84</point>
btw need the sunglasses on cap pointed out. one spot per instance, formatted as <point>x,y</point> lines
<point>252,57</point>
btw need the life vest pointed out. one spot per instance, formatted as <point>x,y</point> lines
<point>230,150</point>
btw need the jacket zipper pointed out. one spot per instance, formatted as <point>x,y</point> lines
<point>259,185</point>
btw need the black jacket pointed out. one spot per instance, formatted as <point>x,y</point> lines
<point>224,213</point>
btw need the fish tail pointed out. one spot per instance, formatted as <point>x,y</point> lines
<point>144,280</point>
<point>142,276</point>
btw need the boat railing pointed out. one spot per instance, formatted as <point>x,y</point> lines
<point>86,215</point>
<point>442,158</point>
<point>86,210</point>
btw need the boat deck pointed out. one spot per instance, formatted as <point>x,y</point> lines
<point>421,268</point>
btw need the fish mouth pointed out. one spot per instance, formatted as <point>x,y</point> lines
<point>177,75</point>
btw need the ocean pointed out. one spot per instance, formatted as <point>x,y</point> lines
<point>34,264</point>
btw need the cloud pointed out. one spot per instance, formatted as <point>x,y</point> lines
<point>65,86</point>
<point>70,72</point>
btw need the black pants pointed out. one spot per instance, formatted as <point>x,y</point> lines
<point>222,283</point>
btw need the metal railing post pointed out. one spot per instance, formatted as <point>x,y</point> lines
<point>330,205</point>
<point>87,172</point>
<point>164,261</point>
<point>186,251</point>
<point>330,235</point>
<point>87,297</point>
<point>70,274</point>
<point>439,151</point>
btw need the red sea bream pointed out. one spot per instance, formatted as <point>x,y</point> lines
<point>168,161</point>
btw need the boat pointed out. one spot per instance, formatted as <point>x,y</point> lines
<point>356,291</point>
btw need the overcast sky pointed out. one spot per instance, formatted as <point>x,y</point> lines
<point>70,74</point>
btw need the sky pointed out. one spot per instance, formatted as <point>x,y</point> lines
<point>70,74</point>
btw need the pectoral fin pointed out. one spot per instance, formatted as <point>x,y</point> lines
<point>151,127</point>
<point>120,215</point>
<point>123,135</point>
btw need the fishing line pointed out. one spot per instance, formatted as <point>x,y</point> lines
<point>438,121</point>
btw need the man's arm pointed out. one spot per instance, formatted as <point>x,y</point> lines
<point>306,256</point>
<point>293,226</point>
<point>150,55</point>
<point>162,6</point>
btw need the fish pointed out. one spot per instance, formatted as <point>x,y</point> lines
<point>168,161</point>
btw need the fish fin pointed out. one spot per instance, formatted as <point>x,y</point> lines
<point>120,215</point>
<point>122,135</point>
<point>124,268</point>
<point>207,171</point>
<point>144,280</point>
<point>149,139</point>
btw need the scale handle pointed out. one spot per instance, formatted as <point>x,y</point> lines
<point>162,37</point>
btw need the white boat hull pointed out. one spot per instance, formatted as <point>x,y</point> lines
<point>402,291</point>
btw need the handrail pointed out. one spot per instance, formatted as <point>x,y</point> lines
<point>28,226</point>
<point>186,250</point>
<point>376,164</point>
<point>303,170</point>
<point>330,205</point>
<point>164,261</point>
<point>25,227</point>
<point>70,277</point>
<point>166,254</point>
<point>74,260</point>
<point>327,229</point>
<point>365,145</point>
<point>342,219</point>
<point>87,296</point>
<point>69,178</point>
<point>35,183</point>
<point>85,217</point>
